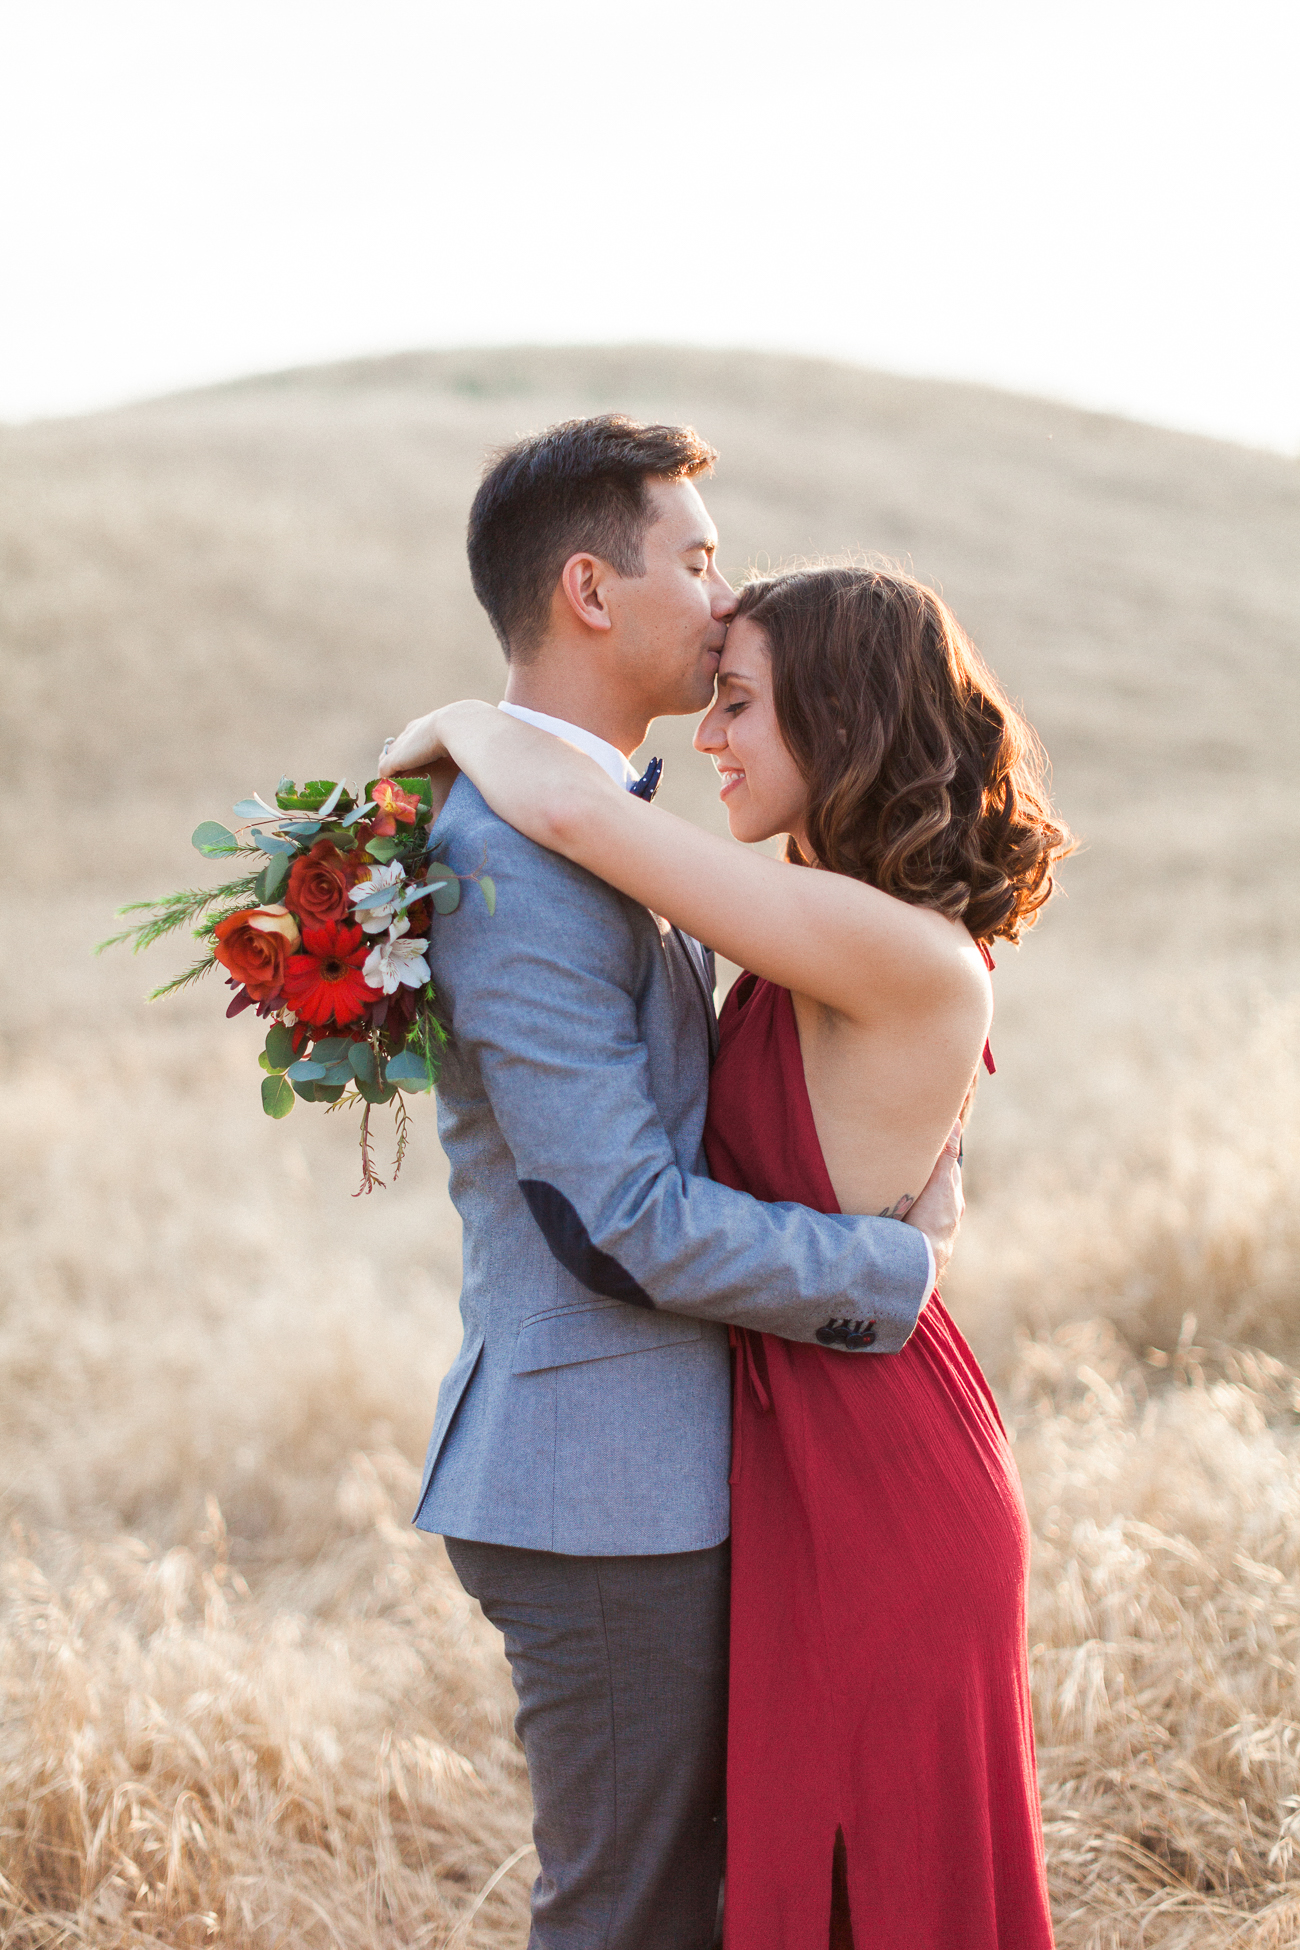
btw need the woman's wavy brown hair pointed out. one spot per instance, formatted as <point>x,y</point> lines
<point>922,777</point>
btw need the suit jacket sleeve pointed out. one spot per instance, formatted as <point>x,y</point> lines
<point>543,991</point>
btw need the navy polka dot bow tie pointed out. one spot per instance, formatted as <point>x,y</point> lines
<point>648,783</point>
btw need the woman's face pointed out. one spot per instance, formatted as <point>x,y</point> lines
<point>762,787</point>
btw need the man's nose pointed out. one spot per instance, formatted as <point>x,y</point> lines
<point>725,600</point>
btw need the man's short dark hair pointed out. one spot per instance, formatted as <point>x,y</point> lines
<point>578,488</point>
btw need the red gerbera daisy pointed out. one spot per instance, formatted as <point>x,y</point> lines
<point>325,982</point>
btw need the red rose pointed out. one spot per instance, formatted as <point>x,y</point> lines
<point>319,883</point>
<point>325,982</point>
<point>255,946</point>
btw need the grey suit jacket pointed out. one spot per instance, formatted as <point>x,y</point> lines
<point>588,1410</point>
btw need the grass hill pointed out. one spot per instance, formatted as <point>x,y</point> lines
<point>217,1372</point>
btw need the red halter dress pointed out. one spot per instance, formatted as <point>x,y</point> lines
<point>879,1682</point>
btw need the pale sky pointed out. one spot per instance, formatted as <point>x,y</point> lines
<point>1095,202</point>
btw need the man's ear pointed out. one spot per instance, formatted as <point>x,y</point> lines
<point>582,581</point>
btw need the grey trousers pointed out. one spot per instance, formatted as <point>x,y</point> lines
<point>620,1666</point>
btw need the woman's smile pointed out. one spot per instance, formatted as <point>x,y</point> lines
<point>742,737</point>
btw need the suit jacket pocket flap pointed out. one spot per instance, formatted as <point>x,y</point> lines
<point>571,1334</point>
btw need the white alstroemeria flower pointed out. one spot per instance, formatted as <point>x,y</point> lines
<point>398,960</point>
<point>375,919</point>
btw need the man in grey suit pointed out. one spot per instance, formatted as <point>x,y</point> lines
<point>579,1458</point>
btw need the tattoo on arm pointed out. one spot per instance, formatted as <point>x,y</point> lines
<point>900,1208</point>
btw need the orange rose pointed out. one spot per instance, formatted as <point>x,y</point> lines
<point>255,946</point>
<point>319,883</point>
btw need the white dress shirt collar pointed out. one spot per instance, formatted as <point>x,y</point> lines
<point>610,760</point>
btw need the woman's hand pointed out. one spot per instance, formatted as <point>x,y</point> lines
<point>417,748</point>
<point>536,782</point>
<point>419,751</point>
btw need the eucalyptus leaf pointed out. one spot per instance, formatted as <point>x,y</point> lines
<point>305,829</point>
<point>340,1073</point>
<point>277,1097</point>
<point>408,1069</point>
<point>332,801</point>
<point>272,843</point>
<point>489,887</point>
<point>358,812</point>
<point>254,808</point>
<point>279,1047</point>
<point>362,1059</point>
<point>306,1070</point>
<point>307,1091</point>
<point>331,1048</point>
<point>378,896</point>
<point>383,849</point>
<point>327,1093</point>
<point>377,1093</point>
<point>214,839</point>
<point>273,880</point>
<point>446,897</point>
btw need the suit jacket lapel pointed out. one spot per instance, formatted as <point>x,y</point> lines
<point>694,954</point>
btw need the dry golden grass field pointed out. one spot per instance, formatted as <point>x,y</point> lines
<point>243,1703</point>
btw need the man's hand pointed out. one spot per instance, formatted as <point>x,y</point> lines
<point>938,1212</point>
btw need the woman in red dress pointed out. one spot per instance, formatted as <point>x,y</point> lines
<point>881,1782</point>
<point>880,1764</point>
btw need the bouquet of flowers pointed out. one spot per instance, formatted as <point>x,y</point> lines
<point>326,941</point>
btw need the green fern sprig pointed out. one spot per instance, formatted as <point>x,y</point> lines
<point>174,911</point>
<point>427,1038</point>
<point>194,973</point>
<point>211,922</point>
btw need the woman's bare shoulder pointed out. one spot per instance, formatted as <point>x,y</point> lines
<point>936,962</point>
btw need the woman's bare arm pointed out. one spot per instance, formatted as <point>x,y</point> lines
<point>845,944</point>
